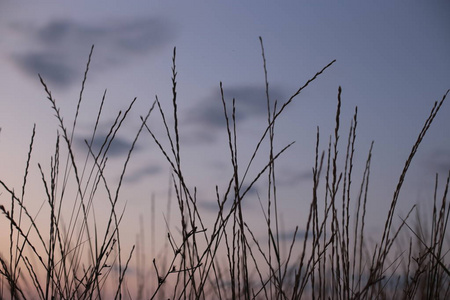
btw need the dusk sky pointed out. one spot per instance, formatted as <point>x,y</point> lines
<point>392,61</point>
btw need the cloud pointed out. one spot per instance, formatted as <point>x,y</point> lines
<point>198,136</point>
<point>439,161</point>
<point>246,202</point>
<point>53,68</point>
<point>250,102</point>
<point>119,146</point>
<point>60,47</point>
<point>289,235</point>
<point>136,175</point>
<point>287,176</point>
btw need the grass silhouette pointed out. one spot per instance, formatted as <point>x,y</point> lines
<point>332,260</point>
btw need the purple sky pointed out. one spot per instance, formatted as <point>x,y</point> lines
<point>392,62</point>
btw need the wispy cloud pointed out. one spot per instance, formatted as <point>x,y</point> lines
<point>197,136</point>
<point>60,47</point>
<point>251,102</point>
<point>119,146</point>
<point>439,161</point>
<point>145,172</point>
<point>289,235</point>
<point>288,176</point>
<point>213,206</point>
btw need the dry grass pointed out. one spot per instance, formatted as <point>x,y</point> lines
<point>333,261</point>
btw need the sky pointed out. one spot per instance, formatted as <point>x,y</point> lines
<point>392,62</point>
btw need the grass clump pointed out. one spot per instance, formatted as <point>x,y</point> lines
<point>334,259</point>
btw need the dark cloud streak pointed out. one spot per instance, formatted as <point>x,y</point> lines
<point>119,146</point>
<point>439,161</point>
<point>246,203</point>
<point>136,175</point>
<point>289,235</point>
<point>291,177</point>
<point>63,46</point>
<point>250,102</point>
<point>54,70</point>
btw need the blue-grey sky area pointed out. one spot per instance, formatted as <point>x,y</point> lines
<point>392,61</point>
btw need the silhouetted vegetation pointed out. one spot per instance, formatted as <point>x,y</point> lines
<point>81,259</point>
